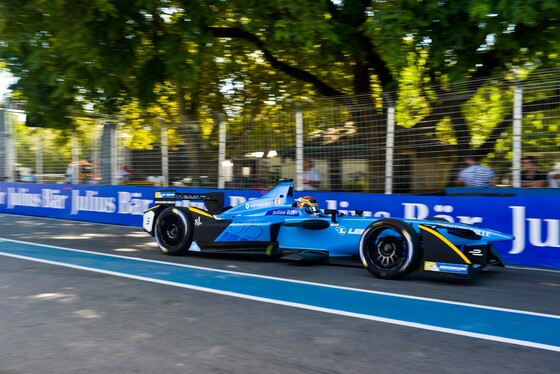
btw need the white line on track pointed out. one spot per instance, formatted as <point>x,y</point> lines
<point>297,305</point>
<point>403,296</point>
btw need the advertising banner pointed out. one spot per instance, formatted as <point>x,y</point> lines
<point>534,219</point>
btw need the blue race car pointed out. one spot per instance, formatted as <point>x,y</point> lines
<point>278,224</point>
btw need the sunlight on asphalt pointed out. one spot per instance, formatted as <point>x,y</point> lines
<point>125,250</point>
<point>28,223</point>
<point>70,237</point>
<point>137,234</point>
<point>84,236</point>
<point>56,296</point>
<point>87,314</point>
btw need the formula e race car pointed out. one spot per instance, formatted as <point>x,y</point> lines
<point>278,224</point>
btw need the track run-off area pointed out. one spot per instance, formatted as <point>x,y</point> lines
<point>311,319</point>
<point>509,326</point>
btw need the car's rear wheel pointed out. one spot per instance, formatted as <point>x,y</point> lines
<point>390,249</point>
<point>174,231</point>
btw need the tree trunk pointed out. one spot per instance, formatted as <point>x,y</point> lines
<point>190,150</point>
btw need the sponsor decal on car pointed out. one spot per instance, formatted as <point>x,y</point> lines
<point>356,231</point>
<point>165,202</point>
<point>164,195</point>
<point>148,220</point>
<point>351,231</point>
<point>258,204</point>
<point>283,212</point>
<point>476,252</point>
<point>441,267</point>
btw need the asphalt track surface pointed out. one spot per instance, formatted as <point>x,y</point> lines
<point>64,308</point>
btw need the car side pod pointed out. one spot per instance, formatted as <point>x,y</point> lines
<point>309,224</point>
<point>307,257</point>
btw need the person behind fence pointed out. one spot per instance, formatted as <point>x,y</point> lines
<point>531,177</point>
<point>125,173</point>
<point>311,176</point>
<point>554,176</point>
<point>475,175</point>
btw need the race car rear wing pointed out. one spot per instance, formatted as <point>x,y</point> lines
<point>214,201</point>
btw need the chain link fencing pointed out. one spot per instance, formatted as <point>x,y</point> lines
<point>413,141</point>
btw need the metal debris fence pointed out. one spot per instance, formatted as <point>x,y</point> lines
<point>412,141</point>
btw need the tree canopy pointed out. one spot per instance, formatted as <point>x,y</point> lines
<point>181,60</point>
<point>109,52</point>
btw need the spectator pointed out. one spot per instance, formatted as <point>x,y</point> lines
<point>475,175</point>
<point>311,176</point>
<point>554,176</point>
<point>125,173</point>
<point>530,176</point>
<point>32,178</point>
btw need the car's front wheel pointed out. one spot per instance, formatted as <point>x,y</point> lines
<point>390,249</point>
<point>174,231</point>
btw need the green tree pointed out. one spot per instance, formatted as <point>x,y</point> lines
<point>233,56</point>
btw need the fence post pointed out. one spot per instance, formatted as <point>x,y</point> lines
<point>120,156</point>
<point>108,160</point>
<point>11,151</point>
<point>96,153</point>
<point>164,154</point>
<point>4,140</point>
<point>517,131</point>
<point>75,158</point>
<point>299,148</point>
<point>390,149</point>
<point>114,155</point>
<point>39,156</point>
<point>222,152</point>
<point>3,147</point>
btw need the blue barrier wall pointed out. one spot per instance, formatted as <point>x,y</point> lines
<point>533,216</point>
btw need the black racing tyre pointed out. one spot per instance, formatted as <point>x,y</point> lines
<point>390,249</point>
<point>174,231</point>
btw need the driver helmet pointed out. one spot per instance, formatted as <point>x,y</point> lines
<point>309,204</point>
